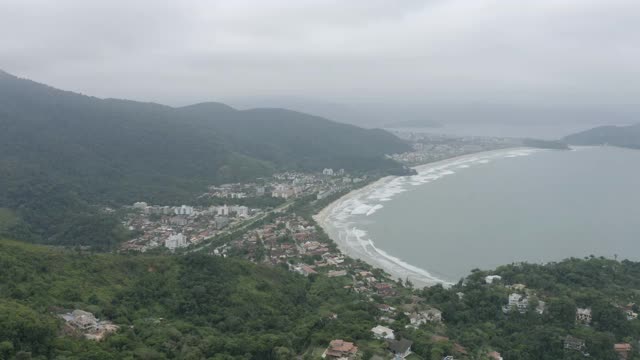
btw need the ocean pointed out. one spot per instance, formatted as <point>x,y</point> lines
<point>488,209</point>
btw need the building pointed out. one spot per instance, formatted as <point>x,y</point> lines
<point>337,273</point>
<point>491,278</point>
<point>222,210</point>
<point>283,192</point>
<point>494,355</point>
<point>573,343</point>
<point>327,172</point>
<point>178,220</point>
<point>583,316</point>
<point>87,324</point>
<point>183,210</point>
<point>340,349</point>
<point>240,210</point>
<point>400,348</point>
<point>432,315</point>
<point>305,270</point>
<point>382,332</point>
<point>175,241</point>
<point>623,350</point>
<point>518,302</point>
<point>140,205</point>
<point>83,320</point>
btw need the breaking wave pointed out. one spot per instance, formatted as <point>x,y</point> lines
<point>344,215</point>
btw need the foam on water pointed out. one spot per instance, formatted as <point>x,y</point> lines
<point>345,214</point>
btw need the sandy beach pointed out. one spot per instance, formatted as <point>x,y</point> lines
<point>337,218</point>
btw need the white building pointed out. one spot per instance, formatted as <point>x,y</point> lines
<point>383,332</point>
<point>223,210</point>
<point>183,210</point>
<point>240,210</point>
<point>140,205</point>
<point>518,302</point>
<point>175,241</point>
<point>583,316</point>
<point>328,172</point>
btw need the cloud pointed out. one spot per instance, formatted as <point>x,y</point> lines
<point>437,50</point>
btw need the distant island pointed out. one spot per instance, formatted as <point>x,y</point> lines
<point>623,136</point>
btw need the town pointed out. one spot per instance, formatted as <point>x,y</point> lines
<point>263,222</point>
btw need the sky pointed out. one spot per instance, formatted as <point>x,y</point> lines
<point>579,52</point>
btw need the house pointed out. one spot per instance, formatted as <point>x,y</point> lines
<point>628,311</point>
<point>623,350</point>
<point>305,270</point>
<point>431,315</point>
<point>340,349</point>
<point>337,273</point>
<point>518,302</point>
<point>83,320</point>
<point>383,332</point>
<point>573,343</point>
<point>494,355</point>
<point>583,316</point>
<point>491,278</point>
<point>384,307</point>
<point>327,172</point>
<point>87,324</point>
<point>400,348</point>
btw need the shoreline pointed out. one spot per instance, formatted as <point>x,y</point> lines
<point>346,240</point>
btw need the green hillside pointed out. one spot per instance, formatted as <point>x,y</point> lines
<point>623,136</point>
<point>62,153</point>
<point>207,307</point>
<point>168,307</point>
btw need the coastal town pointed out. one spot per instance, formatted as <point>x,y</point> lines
<point>269,222</point>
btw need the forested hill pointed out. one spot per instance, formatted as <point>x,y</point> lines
<point>208,307</point>
<point>168,307</point>
<point>125,150</point>
<point>624,136</point>
<point>62,152</point>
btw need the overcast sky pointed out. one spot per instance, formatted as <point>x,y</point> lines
<point>179,52</point>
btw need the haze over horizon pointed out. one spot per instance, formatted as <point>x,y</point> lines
<point>336,59</point>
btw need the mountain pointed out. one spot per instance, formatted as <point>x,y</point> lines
<point>110,144</point>
<point>624,136</point>
<point>62,152</point>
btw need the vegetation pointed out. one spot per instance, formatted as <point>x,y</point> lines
<point>477,321</point>
<point>198,306</point>
<point>61,153</point>
<point>623,136</point>
<point>169,307</point>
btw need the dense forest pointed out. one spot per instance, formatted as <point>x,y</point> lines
<point>62,153</point>
<point>205,307</point>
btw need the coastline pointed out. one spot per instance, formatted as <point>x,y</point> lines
<point>352,242</point>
